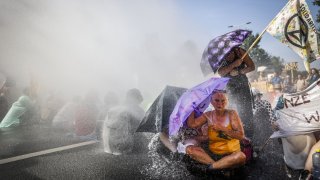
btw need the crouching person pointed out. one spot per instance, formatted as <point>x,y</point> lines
<point>224,133</point>
<point>121,123</point>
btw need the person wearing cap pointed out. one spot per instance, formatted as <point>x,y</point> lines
<point>238,87</point>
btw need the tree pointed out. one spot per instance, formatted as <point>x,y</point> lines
<point>260,57</point>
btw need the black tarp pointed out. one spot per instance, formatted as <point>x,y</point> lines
<point>156,118</point>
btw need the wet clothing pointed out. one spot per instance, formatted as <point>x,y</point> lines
<point>4,107</point>
<point>240,96</point>
<point>19,112</point>
<point>296,149</point>
<point>119,127</point>
<point>66,116</point>
<point>220,143</point>
<point>85,119</point>
<point>264,105</point>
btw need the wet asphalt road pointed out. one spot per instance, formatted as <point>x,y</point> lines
<point>91,162</point>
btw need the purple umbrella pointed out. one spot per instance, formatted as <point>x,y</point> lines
<point>195,99</point>
<point>219,47</point>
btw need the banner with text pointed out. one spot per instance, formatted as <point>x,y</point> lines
<point>300,113</point>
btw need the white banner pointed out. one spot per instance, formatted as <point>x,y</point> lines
<point>301,112</point>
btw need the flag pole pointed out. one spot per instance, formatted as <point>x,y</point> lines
<point>255,42</point>
<point>259,37</point>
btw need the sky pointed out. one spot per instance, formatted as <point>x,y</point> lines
<point>216,16</point>
<point>114,45</point>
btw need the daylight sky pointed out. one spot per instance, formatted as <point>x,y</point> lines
<point>114,45</point>
<point>209,18</point>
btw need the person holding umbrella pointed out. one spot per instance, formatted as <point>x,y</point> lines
<point>238,87</point>
<point>225,131</point>
<point>224,56</point>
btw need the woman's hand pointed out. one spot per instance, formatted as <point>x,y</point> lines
<point>234,72</point>
<point>237,63</point>
<point>218,127</point>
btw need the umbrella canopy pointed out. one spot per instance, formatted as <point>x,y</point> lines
<point>195,99</point>
<point>156,118</point>
<point>219,47</point>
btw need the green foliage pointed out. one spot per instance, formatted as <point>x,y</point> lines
<point>247,43</point>
<point>261,57</point>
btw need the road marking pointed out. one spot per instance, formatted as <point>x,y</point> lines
<point>48,151</point>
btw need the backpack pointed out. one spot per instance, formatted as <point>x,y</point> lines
<point>247,149</point>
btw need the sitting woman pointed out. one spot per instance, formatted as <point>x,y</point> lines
<point>224,132</point>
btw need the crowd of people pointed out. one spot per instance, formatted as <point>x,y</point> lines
<point>219,131</point>
<point>286,83</point>
<point>80,117</point>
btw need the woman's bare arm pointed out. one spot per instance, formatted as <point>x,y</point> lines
<point>248,61</point>
<point>227,69</point>
<point>236,131</point>
<point>196,122</point>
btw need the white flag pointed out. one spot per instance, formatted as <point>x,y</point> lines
<point>295,27</point>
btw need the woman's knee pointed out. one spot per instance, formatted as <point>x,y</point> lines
<point>240,157</point>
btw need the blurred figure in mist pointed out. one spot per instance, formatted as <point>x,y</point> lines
<point>87,115</point>
<point>50,107</point>
<point>65,118</point>
<point>12,91</point>
<point>111,99</point>
<point>21,112</point>
<point>4,106</point>
<point>121,123</point>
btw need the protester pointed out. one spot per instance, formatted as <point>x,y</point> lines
<point>300,83</point>
<point>21,111</point>
<point>50,107</point>
<point>224,133</point>
<point>65,118</point>
<point>277,82</point>
<point>262,105</point>
<point>306,173</point>
<point>110,100</point>
<point>287,85</point>
<point>4,105</point>
<point>238,86</point>
<point>87,115</point>
<point>262,77</point>
<point>121,123</point>
<point>298,149</point>
<point>313,76</point>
